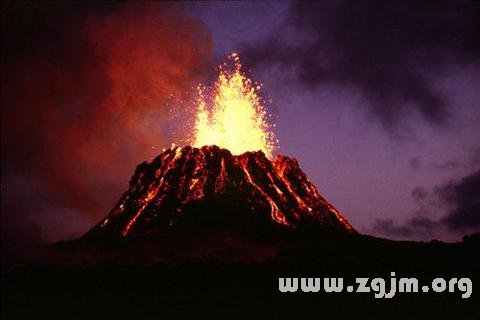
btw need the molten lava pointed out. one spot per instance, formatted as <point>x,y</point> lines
<point>234,117</point>
<point>185,185</point>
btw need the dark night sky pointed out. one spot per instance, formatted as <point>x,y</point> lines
<point>379,102</point>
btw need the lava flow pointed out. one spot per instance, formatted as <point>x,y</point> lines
<point>226,178</point>
<point>167,192</point>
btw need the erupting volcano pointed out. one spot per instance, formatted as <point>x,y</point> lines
<point>226,180</point>
<point>236,119</point>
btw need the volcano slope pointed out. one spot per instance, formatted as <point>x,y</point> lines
<point>198,202</point>
<point>203,233</point>
<point>164,193</point>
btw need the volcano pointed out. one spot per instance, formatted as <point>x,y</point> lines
<point>219,189</point>
<point>210,188</point>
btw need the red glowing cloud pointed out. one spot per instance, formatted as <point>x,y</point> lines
<point>85,90</point>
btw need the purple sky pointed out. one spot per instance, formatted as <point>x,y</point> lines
<point>380,105</point>
<point>367,171</point>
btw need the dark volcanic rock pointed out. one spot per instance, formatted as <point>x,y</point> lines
<point>209,188</point>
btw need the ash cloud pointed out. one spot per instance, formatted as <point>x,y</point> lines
<point>419,194</point>
<point>85,90</point>
<point>460,199</point>
<point>473,163</point>
<point>388,51</point>
<point>414,226</point>
<point>415,163</point>
<point>388,227</point>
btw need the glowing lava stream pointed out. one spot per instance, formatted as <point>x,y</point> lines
<point>235,118</point>
<point>280,172</point>
<point>152,193</point>
<point>275,211</point>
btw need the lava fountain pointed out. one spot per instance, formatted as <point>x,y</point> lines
<point>234,118</point>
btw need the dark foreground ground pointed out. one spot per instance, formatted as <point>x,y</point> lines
<point>236,290</point>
